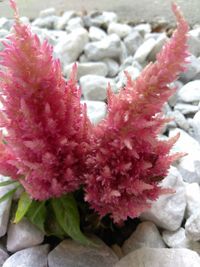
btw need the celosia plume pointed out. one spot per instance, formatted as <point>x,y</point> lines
<point>127,161</point>
<point>47,125</point>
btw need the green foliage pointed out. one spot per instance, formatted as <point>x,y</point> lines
<point>23,206</point>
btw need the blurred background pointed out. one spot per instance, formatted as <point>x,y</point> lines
<point>128,10</point>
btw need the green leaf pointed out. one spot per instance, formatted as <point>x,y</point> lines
<point>37,214</point>
<point>67,215</point>
<point>9,194</point>
<point>8,182</point>
<point>23,206</point>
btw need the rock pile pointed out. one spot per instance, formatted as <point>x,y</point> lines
<point>169,234</point>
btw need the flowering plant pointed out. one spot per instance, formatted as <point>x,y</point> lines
<point>53,151</point>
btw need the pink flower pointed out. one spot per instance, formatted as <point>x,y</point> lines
<point>47,126</point>
<point>127,160</point>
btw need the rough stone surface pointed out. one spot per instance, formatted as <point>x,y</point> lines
<point>122,30</point>
<point>186,109</point>
<point>189,165</point>
<point>96,110</point>
<point>163,257</point>
<point>47,12</point>
<point>30,257</point>
<point>196,126</point>
<point>3,256</point>
<point>190,92</point>
<point>168,211</point>
<point>192,193</point>
<point>113,67</point>
<point>94,87</point>
<point>23,235</point>
<point>146,235</point>
<point>70,48</point>
<point>193,69</point>
<point>62,21</point>
<point>161,40</point>
<point>71,254</point>
<point>96,68</point>
<point>109,47</point>
<point>96,34</point>
<point>192,227</point>
<point>133,41</point>
<point>143,51</point>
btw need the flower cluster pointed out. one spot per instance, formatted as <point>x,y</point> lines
<point>51,146</point>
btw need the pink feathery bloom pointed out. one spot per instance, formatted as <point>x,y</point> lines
<point>127,160</point>
<point>47,126</point>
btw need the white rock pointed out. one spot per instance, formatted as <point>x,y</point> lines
<point>196,126</point>
<point>122,30</point>
<point>192,193</point>
<point>30,257</point>
<point>3,256</point>
<point>168,211</point>
<point>113,67</point>
<point>3,33</point>
<point>179,119</point>
<point>70,253</point>
<point>23,235</point>
<point>133,71</point>
<point>143,51</point>
<point>47,12</point>
<point>192,227</point>
<point>46,22</point>
<point>69,49</point>
<point>74,23</point>
<point>146,235</point>
<point>189,165</point>
<point>162,257</point>
<point>173,99</point>
<point>193,69</point>
<point>186,108</point>
<point>143,29</point>
<point>4,206</point>
<point>161,40</point>
<point>62,21</point>
<point>133,41</point>
<point>178,239</point>
<point>97,68</point>
<point>96,110</point>
<point>100,19</point>
<point>96,34</point>
<point>194,45</point>
<point>94,87</point>
<point>5,23</point>
<point>109,47</point>
<point>190,92</point>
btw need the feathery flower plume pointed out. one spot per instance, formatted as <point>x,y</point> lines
<point>47,127</point>
<point>127,160</point>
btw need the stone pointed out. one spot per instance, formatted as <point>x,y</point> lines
<point>186,108</point>
<point>45,22</point>
<point>161,40</point>
<point>51,11</point>
<point>189,165</point>
<point>143,28</point>
<point>3,255</point>
<point>70,253</point>
<point>3,33</point>
<point>109,47</point>
<point>193,69</point>
<point>62,21</point>
<point>146,235</point>
<point>69,49</point>
<point>192,193</point>
<point>74,23</point>
<point>192,227</point>
<point>94,87</point>
<point>162,257</point>
<point>113,67</point>
<point>96,34</point>
<point>23,235</point>
<point>30,257</point>
<point>96,110</point>
<point>178,239</point>
<point>194,45</point>
<point>196,126</point>
<point>96,68</point>
<point>168,211</point>
<point>179,119</point>
<point>133,41</point>
<point>5,23</point>
<point>144,50</point>
<point>173,99</point>
<point>190,92</point>
<point>100,19</point>
<point>4,206</point>
<point>122,30</point>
